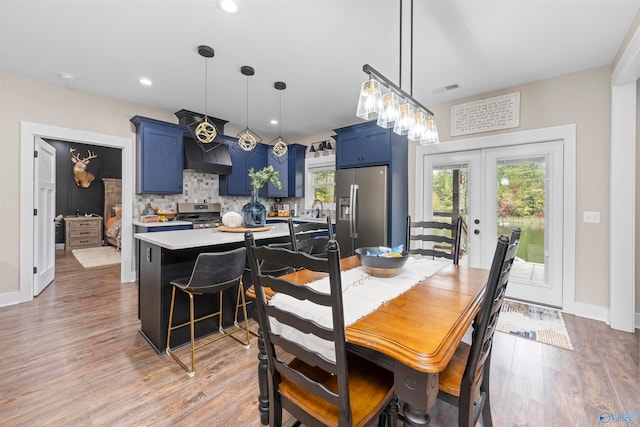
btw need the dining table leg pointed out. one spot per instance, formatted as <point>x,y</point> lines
<point>418,390</point>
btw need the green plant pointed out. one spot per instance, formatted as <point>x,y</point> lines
<point>266,175</point>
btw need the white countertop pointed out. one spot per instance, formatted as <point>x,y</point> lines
<point>193,238</point>
<point>298,219</point>
<point>161,224</point>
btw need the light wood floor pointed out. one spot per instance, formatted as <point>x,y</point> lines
<point>74,357</point>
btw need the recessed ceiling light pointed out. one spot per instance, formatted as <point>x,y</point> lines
<point>66,76</point>
<point>229,6</point>
<point>273,122</point>
<point>145,81</point>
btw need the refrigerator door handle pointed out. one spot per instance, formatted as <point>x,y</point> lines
<point>353,202</point>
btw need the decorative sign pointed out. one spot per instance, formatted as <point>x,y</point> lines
<point>500,112</point>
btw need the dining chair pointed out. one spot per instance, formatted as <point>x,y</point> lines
<point>212,274</point>
<point>318,390</point>
<point>465,381</point>
<point>311,237</point>
<point>438,239</point>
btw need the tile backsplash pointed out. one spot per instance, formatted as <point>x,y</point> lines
<point>198,187</point>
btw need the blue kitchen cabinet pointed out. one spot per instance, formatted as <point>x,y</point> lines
<point>159,156</point>
<point>291,173</point>
<point>365,144</point>
<point>238,183</point>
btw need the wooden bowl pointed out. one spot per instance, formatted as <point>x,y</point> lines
<point>381,266</point>
<point>166,215</point>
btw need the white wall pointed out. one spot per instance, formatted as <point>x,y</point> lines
<point>582,99</point>
<point>23,99</point>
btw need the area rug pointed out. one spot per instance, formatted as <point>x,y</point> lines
<point>96,257</point>
<point>533,322</point>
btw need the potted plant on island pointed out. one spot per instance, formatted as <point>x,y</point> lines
<point>254,214</point>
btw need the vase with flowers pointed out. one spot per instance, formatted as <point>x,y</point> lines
<point>254,214</point>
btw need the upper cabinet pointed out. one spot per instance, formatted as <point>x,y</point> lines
<point>238,183</point>
<point>291,173</point>
<point>365,144</point>
<point>159,156</point>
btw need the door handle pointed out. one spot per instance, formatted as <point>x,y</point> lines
<point>353,200</point>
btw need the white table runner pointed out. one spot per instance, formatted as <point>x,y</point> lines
<point>361,295</point>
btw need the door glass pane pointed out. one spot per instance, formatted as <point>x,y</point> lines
<point>451,198</point>
<point>521,203</point>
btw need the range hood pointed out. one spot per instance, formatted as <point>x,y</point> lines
<point>211,158</point>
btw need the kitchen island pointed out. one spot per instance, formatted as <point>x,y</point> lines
<point>167,255</point>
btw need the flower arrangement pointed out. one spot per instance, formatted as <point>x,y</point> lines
<point>266,175</point>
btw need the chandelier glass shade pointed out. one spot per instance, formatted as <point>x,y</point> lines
<point>390,110</point>
<point>370,103</point>
<point>406,119</point>
<point>431,134</point>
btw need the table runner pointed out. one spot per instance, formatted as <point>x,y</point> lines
<point>361,293</point>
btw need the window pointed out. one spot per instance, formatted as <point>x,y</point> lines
<point>322,184</point>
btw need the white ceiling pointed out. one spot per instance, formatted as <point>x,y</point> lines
<point>317,47</point>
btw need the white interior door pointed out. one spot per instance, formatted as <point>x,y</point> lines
<point>43,221</point>
<point>496,189</point>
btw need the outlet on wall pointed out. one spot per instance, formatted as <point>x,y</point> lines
<point>592,217</point>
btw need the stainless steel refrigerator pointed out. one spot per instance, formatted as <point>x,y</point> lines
<point>362,203</point>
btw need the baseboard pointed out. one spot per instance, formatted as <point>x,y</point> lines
<point>637,320</point>
<point>10,298</point>
<point>59,246</point>
<point>590,311</point>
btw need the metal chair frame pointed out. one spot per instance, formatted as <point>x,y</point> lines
<point>191,287</point>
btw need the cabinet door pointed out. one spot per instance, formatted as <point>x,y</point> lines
<point>363,146</point>
<point>297,170</point>
<point>283,168</point>
<point>159,157</point>
<point>238,183</point>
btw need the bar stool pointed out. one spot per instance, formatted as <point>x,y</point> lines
<point>212,273</point>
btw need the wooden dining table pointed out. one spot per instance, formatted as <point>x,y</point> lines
<point>414,335</point>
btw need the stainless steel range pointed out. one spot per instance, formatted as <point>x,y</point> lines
<point>202,215</point>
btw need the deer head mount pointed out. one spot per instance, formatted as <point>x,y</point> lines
<point>80,175</point>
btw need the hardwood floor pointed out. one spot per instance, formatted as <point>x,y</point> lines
<point>74,357</point>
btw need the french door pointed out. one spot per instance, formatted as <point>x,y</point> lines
<point>495,190</point>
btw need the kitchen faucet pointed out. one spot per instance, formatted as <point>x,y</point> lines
<point>314,209</point>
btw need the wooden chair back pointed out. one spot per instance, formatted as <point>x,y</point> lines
<point>299,377</point>
<point>474,387</point>
<point>311,237</point>
<point>434,234</point>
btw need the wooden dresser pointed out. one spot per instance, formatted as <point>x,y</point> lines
<point>82,232</point>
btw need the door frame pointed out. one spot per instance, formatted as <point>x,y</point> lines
<point>566,134</point>
<point>28,133</point>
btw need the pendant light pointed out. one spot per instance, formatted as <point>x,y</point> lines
<point>247,139</point>
<point>206,131</point>
<point>278,147</point>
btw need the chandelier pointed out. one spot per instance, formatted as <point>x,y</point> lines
<point>394,108</point>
